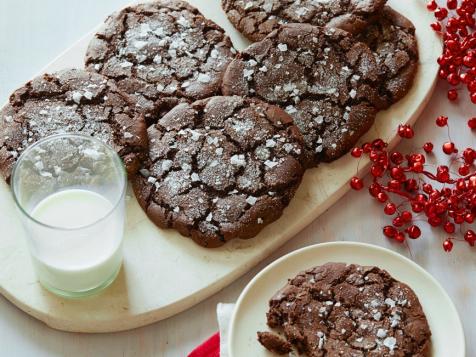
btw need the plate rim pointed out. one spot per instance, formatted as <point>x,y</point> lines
<point>343,245</point>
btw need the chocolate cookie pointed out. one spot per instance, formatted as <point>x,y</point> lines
<point>392,38</point>
<point>220,168</point>
<point>71,101</point>
<point>257,18</point>
<point>321,76</point>
<point>349,310</point>
<point>161,52</point>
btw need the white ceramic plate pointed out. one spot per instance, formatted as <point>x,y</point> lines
<point>250,312</point>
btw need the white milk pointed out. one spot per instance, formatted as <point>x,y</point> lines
<point>72,259</point>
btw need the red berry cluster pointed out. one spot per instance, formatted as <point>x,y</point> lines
<point>458,60</point>
<point>443,198</point>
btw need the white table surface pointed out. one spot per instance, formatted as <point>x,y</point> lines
<point>33,32</point>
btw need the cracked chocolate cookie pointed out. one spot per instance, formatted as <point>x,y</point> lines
<point>220,168</point>
<point>322,77</point>
<point>161,52</point>
<point>348,310</point>
<point>71,101</point>
<point>255,19</point>
<point>391,37</point>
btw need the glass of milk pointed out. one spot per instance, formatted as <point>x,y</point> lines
<point>70,191</point>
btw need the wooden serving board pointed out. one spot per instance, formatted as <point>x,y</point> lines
<point>164,273</point>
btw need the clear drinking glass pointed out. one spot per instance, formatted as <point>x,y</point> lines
<point>70,191</point>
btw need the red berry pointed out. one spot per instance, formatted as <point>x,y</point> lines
<point>414,232</point>
<point>397,158</point>
<point>417,158</point>
<point>469,155</point>
<point>435,195</point>
<point>446,191</point>
<point>434,221</point>
<point>367,147</point>
<point>448,245</point>
<point>464,170</point>
<point>397,173</point>
<point>469,61</point>
<point>432,5</point>
<point>452,25</point>
<point>394,184</point>
<point>436,26</point>
<point>417,167</point>
<point>470,237</point>
<point>356,152</point>
<point>451,4</point>
<point>443,177</point>
<point>453,45</point>
<point>441,13</point>
<point>449,227</point>
<point>374,156</point>
<point>379,144</point>
<point>442,174</point>
<point>442,60</point>
<point>473,97</point>
<point>471,85</point>
<point>376,171</point>
<point>466,78</point>
<point>472,181</point>
<point>356,183</point>
<point>417,207</point>
<point>441,207</point>
<point>390,209</point>
<point>405,131</point>
<point>397,221</point>
<point>428,147</point>
<point>448,148</point>
<point>472,123</point>
<point>469,218</point>
<point>406,216</point>
<point>427,188</point>
<point>400,237</point>
<point>453,79</point>
<point>453,95</point>
<point>443,74</point>
<point>374,189</point>
<point>389,231</point>
<point>401,131</point>
<point>382,197</point>
<point>441,121</point>
<point>420,198</point>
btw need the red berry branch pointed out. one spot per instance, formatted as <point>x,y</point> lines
<point>456,24</point>
<point>408,187</point>
<point>411,192</point>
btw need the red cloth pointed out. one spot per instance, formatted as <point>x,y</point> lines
<point>209,348</point>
